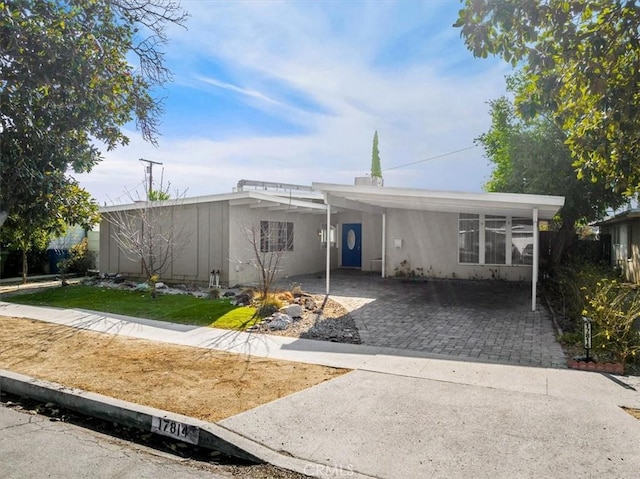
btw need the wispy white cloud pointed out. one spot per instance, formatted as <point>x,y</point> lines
<point>233,88</point>
<point>340,70</point>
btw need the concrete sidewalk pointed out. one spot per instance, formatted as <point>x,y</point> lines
<point>407,414</point>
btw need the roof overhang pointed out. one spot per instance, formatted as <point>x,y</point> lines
<point>376,199</point>
<point>271,202</point>
<point>380,199</point>
<point>254,199</point>
<point>629,214</point>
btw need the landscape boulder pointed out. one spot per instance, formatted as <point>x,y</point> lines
<point>293,310</point>
<point>280,321</point>
<point>310,304</point>
<point>278,325</point>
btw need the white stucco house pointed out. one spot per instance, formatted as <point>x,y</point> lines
<point>387,230</point>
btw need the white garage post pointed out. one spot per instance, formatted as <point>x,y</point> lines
<point>536,254</point>
<point>328,243</point>
<point>384,242</point>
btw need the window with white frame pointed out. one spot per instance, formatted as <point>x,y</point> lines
<point>620,246</point>
<point>333,237</point>
<point>276,236</point>
<point>521,241</point>
<point>491,239</point>
<point>495,239</point>
<point>469,238</point>
<point>615,235</point>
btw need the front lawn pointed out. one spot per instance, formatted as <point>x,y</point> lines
<point>184,309</point>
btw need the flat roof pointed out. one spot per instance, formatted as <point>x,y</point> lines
<point>365,197</point>
<point>375,199</point>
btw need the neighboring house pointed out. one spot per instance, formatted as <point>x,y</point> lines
<point>624,229</point>
<point>58,248</point>
<point>93,238</point>
<point>394,231</point>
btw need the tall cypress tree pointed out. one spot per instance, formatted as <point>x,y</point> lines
<point>376,172</point>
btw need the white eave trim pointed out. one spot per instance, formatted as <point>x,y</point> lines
<point>249,197</point>
<point>445,201</point>
<point>271,200</point>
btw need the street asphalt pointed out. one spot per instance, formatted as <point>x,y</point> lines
<point>34,447</point>
<point>407,414</point>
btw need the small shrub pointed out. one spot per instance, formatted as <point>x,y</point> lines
<point>614,309</point>
<point>214,293</point>
<point>285,296</point>
<point>250,292</point>
<point>152,285</point>
<point>80,258</point>
<point>567,289</point>
<point>268,306</point>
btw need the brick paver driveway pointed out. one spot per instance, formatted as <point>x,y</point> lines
<point>487,321</point>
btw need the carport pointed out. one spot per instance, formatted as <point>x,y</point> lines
<point>465,320</point>
<point>441,216</point>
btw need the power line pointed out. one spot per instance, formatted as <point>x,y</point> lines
<point>127,194</point>
<point>432,158</point>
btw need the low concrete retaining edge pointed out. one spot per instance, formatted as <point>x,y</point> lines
<point>204,434</point>
<point>122,412</point>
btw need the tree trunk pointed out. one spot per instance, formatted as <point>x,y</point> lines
<point>3,217</point>
<point>25,266</point>
<point>562,243</point>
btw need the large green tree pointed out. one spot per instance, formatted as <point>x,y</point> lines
<point>31,227</point>
<point>67,84</point>
<point>581,61</point>
<point>531,156</point>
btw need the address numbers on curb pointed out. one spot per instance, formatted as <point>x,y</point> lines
<point>174,429</point>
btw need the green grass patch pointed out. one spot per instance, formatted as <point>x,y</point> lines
<point>184,309</point>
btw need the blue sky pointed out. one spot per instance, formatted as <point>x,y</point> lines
<point>292,91</point>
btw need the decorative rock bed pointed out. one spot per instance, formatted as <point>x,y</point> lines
<point>306,316</point>
<point>330,322</point>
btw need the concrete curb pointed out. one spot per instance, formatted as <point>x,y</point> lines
<point>202,433</point>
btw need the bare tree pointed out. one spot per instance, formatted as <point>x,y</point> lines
<point>150,234</point>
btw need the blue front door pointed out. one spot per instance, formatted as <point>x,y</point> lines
<point>352,245</point>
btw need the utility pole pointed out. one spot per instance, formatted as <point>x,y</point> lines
<point>150,171</point>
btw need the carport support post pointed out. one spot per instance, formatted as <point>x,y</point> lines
<point>384,243</point>
<point>536,254</point>
<point>328,266</point>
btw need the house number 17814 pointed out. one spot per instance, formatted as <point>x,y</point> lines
<point>175,429</point>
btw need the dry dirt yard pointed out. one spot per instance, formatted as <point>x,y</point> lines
<point>209,385</point>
